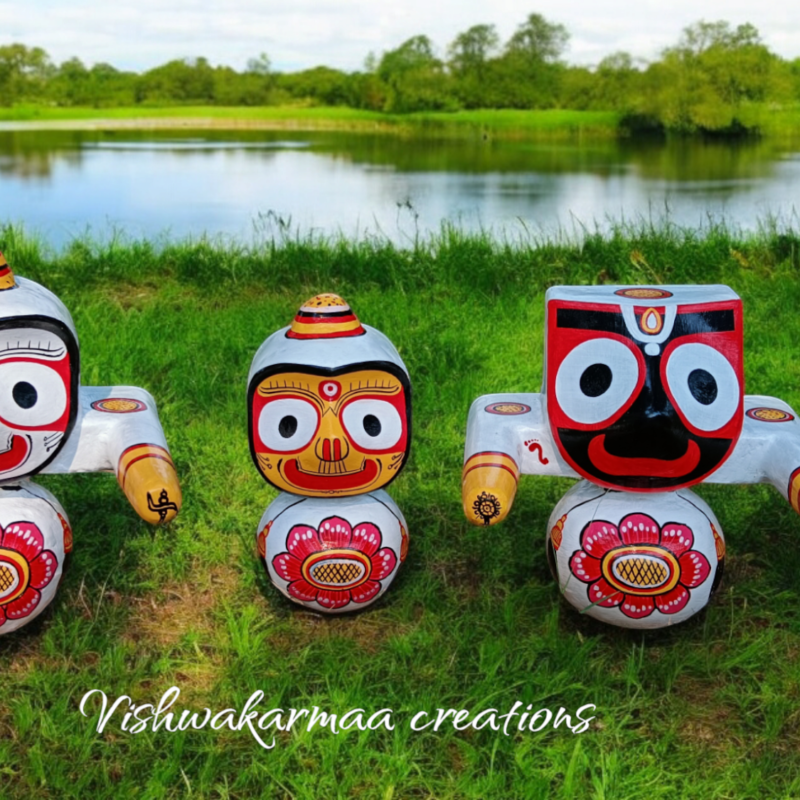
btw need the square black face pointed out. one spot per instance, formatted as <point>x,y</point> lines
<point>645,397</point>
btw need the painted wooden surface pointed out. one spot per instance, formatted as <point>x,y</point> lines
<point>49,423</point>
<point>329,404</point>
<point>643,397</point>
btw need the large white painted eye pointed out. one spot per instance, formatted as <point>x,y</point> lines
<point>31,394</point>
<point>288,424</point>
<point>704,385</point>
<point>373,424</point>
<point>596,379</point>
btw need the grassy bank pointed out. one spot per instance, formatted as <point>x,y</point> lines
<point>495,123</point>
<point>782,122</point>
<point>708,709</point>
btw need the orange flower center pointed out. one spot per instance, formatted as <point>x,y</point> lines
<point>15,574</point>
<point>641,569</point>
<point>337,569</point>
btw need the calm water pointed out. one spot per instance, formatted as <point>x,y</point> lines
<point>255,184</point>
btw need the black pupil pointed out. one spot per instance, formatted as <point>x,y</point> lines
<point>702,386</point>
<point>287,427</point>
<point>595,380</point>
<point>372,425</point>
<point>25,395</point>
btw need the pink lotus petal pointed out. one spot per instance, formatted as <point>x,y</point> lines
<point>365,592</point>
<point>599,537</point>
<point>23,605</point>
<point>602,593</point>
<point>302,541</point>
<point>366,538</point>
<point>694,569</point>
<point>677,538</point>
<point>584,567</point>
<point>383,563</point>
<point>332,599</point>
<point>43,568</point>
<point>674,601</point>
<point>637,607</point>
<point>25,538</point>
<point>302,590</point>
<point>639,529</point>
<point>287,566</point>
<point>334,533</point>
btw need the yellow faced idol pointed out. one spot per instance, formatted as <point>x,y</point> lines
<point>329,405</point>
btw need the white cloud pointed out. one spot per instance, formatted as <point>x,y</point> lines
<point>340,33</point>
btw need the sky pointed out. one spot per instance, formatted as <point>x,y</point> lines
<point>299,34</point>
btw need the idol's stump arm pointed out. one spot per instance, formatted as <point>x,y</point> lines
<point>507,435</point>
<point>502,446</point>
<point>118,430</point>
<point>768,450</point>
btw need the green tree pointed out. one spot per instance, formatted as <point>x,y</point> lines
<point>323,85</point>
<point>415,78</point>
<point>470,50</point>
<point>260,65</point>
<point>538,41</point>
<point>71,84</point>
<point>707,80</point>
<point>528,74</point>
<point>24,72</point>
<point>181,81</point>
<point>468,57</point>
<point>617,84</point>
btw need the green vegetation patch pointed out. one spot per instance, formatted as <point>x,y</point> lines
<point>502,123</point>
<point>474,621</point>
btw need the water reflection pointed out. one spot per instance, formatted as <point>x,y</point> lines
<point>193,182</point>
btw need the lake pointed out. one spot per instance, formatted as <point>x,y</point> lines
<point>252,185</point>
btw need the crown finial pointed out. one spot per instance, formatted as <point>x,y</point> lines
<point>6,275</point>
<point>325,316</point>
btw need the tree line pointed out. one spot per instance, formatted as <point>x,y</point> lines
<point>701,83</point>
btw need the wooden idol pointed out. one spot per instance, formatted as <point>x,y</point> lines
<point>49,423</point>
<point>642,398</point>
<point>329,404</point>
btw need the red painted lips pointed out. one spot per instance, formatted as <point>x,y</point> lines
<point>327,482</point>
<point>652,467</point>
<point>17,452</point>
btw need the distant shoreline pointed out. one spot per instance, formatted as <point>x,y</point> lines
<point>777,123</point>
<point>481,124</point>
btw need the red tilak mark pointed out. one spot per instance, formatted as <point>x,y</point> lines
<point>533,447</point>
<point>648,467</point>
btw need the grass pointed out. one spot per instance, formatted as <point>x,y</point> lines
<point>491,122</point>
<point>779,122</point>
<point>708,709</point>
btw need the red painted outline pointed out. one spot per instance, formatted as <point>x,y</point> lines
<point>620,466</point>
<point>491,464</point>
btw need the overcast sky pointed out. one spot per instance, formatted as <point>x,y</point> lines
<point>297,34</point>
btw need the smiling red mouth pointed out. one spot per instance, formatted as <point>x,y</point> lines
<point>322,482</point>
<point>649,467</point>
<point>18,450</point>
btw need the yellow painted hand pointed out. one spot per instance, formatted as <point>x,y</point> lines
<point>488,486</point>
<point>148,477</point>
